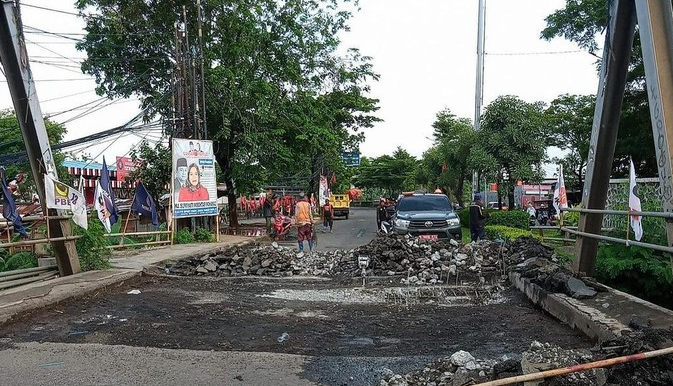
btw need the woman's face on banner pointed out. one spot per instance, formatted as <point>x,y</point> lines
<point>193,176</point>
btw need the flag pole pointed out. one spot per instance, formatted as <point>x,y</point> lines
<point>126,224</point>
<point>628,225</point>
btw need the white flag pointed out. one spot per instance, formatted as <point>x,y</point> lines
<point>102,203</point>
<point>560,196</point>
<point>634,205</point>
<point>62,196</point>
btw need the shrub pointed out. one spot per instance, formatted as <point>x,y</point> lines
<point>464,216</point>
<point>510,218</point>
<point>92,247</point>
<point>641,272</point>
<point>203,235</point>
<point>20,260</point>
<point>184,236</point>
<point>506,233</point>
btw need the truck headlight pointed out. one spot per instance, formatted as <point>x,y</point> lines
<point>453,222</point>
<point>401,223</point>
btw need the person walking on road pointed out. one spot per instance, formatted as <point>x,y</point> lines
<point>327,216</point>
<point>267,210</point>
<point>304,221</point>
<point>477,217</point>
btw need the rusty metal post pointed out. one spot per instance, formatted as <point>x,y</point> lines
<point>14,60</point>
<point>655,22</point>
<point>614,68</point>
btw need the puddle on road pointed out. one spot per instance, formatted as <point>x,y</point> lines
<point>444,295</point>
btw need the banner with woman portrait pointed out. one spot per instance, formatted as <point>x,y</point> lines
<point>193,184</point>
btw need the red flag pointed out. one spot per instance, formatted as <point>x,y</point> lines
<point>444,166</point>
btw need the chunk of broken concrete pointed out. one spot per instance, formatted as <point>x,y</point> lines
<point>579,290</point>
<point>460,358</point>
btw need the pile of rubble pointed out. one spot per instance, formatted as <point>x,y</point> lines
<point>403,256</point>
<point>261,260</point>
<point>462,368</point>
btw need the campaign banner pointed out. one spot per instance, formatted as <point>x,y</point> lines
<point>323,191</point>
<point>194,187</point>
<point>124,166</point>
<point>62,196</point>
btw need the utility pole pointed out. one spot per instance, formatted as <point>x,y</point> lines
<point>479,89</point>
<point>21,85</point>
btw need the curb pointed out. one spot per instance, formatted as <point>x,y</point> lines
<point>599,325</point>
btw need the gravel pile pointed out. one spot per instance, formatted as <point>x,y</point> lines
<point>462,368</point>
<point>416,263</point>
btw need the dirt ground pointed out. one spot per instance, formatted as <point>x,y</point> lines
<point>320,317</point>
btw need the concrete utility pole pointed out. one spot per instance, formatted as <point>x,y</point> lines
<point>479,88</point>
<point>655,23</point>
<point>14,60</point>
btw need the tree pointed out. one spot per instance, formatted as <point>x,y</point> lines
<point>514,135</point>
<point>264,61</point>
<point>153,165</point>
<point>581,22</point>
<point>571,118</point>
<point>454,141</point>
<point>11,141</point>
<point>393,174</point>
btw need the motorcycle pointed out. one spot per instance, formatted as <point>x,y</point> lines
<point>281,227</point>
<point>386,227</point>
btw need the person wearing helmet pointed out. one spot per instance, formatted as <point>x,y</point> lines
<point>477,217</point>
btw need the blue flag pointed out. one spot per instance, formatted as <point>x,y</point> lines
<point>107,187</point>
<point>144,205</point>
<point>9,207</point>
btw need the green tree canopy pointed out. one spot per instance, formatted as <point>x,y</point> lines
<point>277,94</point>
<point>514,135</point>
<point>11,141</point>
<point>391,173</point>
<point>582,21</point>
<point>570,118</point>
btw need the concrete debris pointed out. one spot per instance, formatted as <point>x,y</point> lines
<point>403,259</point>
<point>462,368</point>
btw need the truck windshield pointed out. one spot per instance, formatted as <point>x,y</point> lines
<point>424,204</point>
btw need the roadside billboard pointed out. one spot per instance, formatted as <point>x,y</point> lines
<point>193,187</point>
<point>124,166</point>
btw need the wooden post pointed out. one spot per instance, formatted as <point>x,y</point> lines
<point>217,228</point>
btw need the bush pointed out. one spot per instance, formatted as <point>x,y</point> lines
<point>184,236</point>
<point>19,260</point>
<point>203,235</point>
<point>509,218</point>
<point>464,216</point>
<point>641,272</point>
<point>506,233</point>
<point>92,247</point>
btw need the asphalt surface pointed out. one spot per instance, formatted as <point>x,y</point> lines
<point>204,331</point>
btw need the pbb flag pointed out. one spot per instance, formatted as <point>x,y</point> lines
<point>62,196</point>
<point>102,203</point>
<point>107,187</point>
<point>9,207</point>
<point>560,196</point>
<point>144,205</point>
<point>634,204</point>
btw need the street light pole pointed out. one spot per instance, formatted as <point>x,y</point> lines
<point>479,89</point>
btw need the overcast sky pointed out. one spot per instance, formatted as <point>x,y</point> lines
<point>425,52</point>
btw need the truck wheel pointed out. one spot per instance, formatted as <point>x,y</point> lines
<point>346,217</point>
